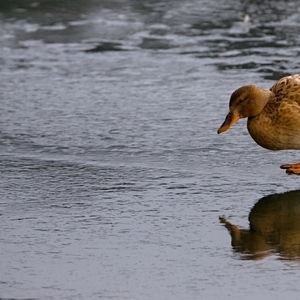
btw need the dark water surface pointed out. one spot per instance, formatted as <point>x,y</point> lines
<point>112,175</point>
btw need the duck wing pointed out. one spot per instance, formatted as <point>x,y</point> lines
<point>287,89</point>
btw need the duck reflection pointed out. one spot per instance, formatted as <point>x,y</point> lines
<point>274,228</point>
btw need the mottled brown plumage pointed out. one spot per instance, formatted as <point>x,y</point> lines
<point>273,115</point>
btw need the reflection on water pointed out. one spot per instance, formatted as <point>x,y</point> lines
<point>274,228</point>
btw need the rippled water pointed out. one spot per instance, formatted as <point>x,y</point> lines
<point>113,178</point>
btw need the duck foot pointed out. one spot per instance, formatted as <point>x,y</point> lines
<point>291,168</point>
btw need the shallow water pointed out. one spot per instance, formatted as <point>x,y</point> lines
<point>113,178</point>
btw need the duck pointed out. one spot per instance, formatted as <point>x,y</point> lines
<point>273,115</point>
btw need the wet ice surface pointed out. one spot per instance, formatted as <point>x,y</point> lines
<point>112,175</point>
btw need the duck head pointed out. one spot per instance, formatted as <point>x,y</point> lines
<point>247,101</point>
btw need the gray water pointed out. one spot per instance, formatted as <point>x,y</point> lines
<point>113,178</point>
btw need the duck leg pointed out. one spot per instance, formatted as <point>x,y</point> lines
<point>291,168</point>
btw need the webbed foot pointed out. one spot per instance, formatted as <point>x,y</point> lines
<point>291,168</point>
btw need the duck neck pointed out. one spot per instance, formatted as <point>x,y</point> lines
<point>263,97</point>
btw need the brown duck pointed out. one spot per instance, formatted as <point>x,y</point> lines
<point>273,115</point>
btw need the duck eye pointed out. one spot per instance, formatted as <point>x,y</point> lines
<point>241,100</point>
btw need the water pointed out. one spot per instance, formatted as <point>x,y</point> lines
<point>113,178</point>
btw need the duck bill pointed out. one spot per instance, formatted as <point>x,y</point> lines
<point>229,121</point>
